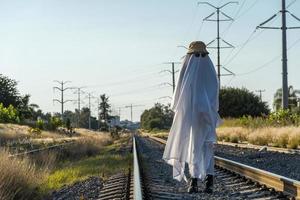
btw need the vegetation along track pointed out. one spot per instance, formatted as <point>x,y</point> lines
<point>232,181</point>
<point>52,147</point>
<point>121,185</point>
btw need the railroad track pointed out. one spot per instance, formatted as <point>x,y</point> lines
<point>117,187</point>
<point>56,146</point>
<point>151,178</point>
<point>233,180</point>
<point>266,148</point>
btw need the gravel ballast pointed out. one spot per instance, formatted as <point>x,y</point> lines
<point>87,189</point>
<point>283,164</point>
<point>160,184</point>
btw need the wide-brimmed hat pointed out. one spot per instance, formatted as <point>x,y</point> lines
<point>197,47</point>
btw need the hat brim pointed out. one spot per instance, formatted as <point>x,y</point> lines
<point>192,51</point>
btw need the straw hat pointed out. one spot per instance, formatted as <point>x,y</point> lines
<point>197,47</point>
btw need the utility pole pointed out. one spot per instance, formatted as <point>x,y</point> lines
<point>119,108</point>
<point>98,112</point>
<point>260,93</point>
<point>79,91</point>
<point>62,89</point>
<point>89,111</point>
<point>283,11</point>
<point>173,72</point>
<point>90,96</point>
<point>219,47</point>
<point>131,112</point>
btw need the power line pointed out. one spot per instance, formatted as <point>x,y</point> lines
<point>127,81</point>
<point>139,90</point>
<point>251,37</point>
<point>199,30</point>
<point>89,97</point>
<point>190,25</point>
<point>236,17</point>
<point>172,72</point>
<point>270,61</point>
<point>230,80</point>
<point>79,92</point>
<point>260,93</point>
<point>98,112</point>
<point>140,101</point>
<point>238,11</point>
<point>62,89</point>
<point>242,46</point>
<point>219,39</point>
<point>283,28</point>
<point>260,67</point>
<point>131,106</point>
<point>291,3</point>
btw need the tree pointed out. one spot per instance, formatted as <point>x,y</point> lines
<point>9,94</point>
<point>72,117</point>
<point>104,111</point>
<point>293,98</point>
<point>238,102</point>
<point>69,115</point>
<point>160,117</point>
<point>9,114</point>
<point>84,117</point>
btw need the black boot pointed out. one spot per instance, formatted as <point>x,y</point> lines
<point>209,183</point>
<point>193,187</point>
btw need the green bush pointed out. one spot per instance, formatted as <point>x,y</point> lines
<point>155,124</point>
<point>40,124</point>
<point>278,119</point>
<point>9,114</point>
<point>284,118</point>
<point>160,117</point>
<point>68,124</point>
<point>293,143</point>
<point>234,139</point>
<point>237,102</point>
<point>54,123</point>
<point>258,140</point>
<point>254,122</point>
<point>35,131</point>
<point>281,141</point>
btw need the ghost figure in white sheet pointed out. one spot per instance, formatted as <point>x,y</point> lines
<point>193,132</point>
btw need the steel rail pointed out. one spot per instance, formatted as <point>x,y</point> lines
<point>268,148</point>
<point>41,149</point>
<point>137,185</point>
<point>279,183</point>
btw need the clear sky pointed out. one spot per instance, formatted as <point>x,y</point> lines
<point>119,47</point>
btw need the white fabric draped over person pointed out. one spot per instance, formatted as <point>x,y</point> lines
<point>196,104</point>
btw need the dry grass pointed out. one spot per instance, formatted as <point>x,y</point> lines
<point>19,179</point>
<point>160,134</point>
<point>87,144</point>
<point>15,132</point>
<point>88,133</point>
<point>233,134</point>
<point>22,178</point>
<point>9,132</point>
<point>17,138</point>
<point>285,137</point>
<point>110,160</point>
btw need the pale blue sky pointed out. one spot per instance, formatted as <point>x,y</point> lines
<point>118,47</point>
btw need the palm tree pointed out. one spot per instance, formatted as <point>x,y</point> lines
<point>294,95</point>
<point>104,108</point>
